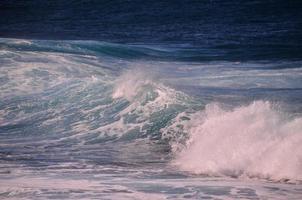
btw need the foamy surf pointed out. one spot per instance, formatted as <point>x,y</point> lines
<point>253,141</point>
<point>76,113</point>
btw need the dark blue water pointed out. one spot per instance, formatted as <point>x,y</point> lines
<point>150,99</point>
<point>224,30</point>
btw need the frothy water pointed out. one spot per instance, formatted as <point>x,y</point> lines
<point>86,119</point>
<point>254,141</point>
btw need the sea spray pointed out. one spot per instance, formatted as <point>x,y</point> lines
<point>68,119</point>
<point>130,83</point>
<point>146,106</point>
<point>248,141</point>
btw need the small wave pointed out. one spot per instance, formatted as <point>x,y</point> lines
<point>249,141</point>
<point>107,49</point>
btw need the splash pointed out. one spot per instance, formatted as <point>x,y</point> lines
<point>149,105</point>
<point>249,141</point>
<point>130,83</point>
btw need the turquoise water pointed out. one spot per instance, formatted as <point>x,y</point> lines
<point>99,120</point>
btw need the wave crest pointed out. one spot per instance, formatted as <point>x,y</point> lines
<point>249,141</point>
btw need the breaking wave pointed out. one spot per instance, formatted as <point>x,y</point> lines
<point>64,97</point>
<point>255,140</point>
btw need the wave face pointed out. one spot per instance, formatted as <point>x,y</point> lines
<point>88,119</point>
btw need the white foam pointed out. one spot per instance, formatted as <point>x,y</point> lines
<point>248,141</point>
<point>129,84</point>
<point>32,72</point>
<point>146,96</point>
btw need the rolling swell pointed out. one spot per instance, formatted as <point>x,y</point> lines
<point>142,51</point>
<point>122,51</point>
<point>110,107</point>
<point>61,108</point>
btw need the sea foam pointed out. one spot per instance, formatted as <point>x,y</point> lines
<point>249,141</point>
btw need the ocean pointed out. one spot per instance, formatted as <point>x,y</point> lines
<point>150,100</point>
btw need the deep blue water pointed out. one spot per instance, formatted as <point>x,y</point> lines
<point>150,99</point>
<point>225,30</point>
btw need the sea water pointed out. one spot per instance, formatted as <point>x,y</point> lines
<point>182,100</point>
